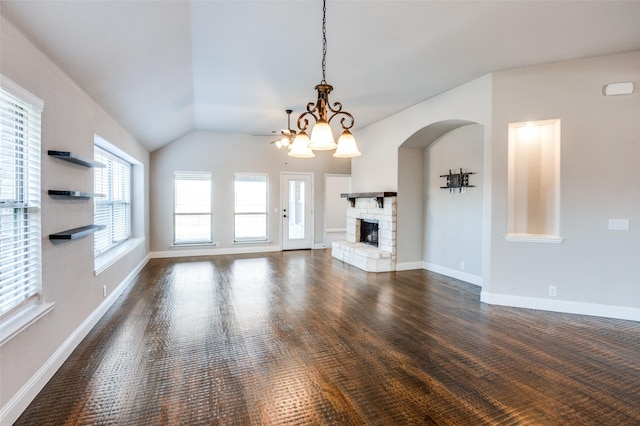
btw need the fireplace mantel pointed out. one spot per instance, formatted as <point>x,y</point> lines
<point>379,196</point>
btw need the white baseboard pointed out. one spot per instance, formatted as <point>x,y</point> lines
<point>336,229</point>
<point>564,306</point>
<point>453,273</point>
<point>410,266</point>
<point>213,251</point>
<point>21,400</point>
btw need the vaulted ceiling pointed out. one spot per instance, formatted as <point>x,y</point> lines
<point>165,68</point>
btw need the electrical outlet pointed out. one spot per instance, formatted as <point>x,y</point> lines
<point>104,291</point>
<point>553,291</point>
<point>462,266</point>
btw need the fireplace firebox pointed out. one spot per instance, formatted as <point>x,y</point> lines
<point>369,232</point>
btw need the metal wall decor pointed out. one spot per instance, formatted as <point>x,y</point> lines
<point>457,180</point>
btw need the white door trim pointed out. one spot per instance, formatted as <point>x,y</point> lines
<point>307,244</point>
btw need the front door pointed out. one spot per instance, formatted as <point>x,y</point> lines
<point>297,224</point>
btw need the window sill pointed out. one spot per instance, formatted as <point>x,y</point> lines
<point>111,256</point>
<point>248,242</point>
<point>533,238</point>
<point>189,245</point>
<point>21,320</point>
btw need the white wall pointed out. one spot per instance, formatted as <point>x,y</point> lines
<point>223,155</point>
<point>453,222</point>
<point>410,209</point>
<point>336,206</point>
<point>595,270</point>
<point>69,121</point>
<point>377,168</point>
<point>392,160</point>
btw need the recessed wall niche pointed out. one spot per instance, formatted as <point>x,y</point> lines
<point>534,181</point>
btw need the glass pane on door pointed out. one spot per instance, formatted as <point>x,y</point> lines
<point>296,209</point>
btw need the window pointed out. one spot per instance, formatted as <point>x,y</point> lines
<point>251,207</point>
<point>20,234</point>
<point>114,209</point>
<point>192,208</point>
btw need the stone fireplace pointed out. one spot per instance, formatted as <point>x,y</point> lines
<point>371,216</point>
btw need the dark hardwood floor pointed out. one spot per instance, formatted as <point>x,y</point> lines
<point>300,338</point>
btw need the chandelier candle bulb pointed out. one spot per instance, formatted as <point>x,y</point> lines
<point>347,146</point>
<point>322,136</point>
<point>300,147</point>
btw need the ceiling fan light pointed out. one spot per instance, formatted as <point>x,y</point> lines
<point>322,136</point>
<point>300,147</point>
<point>287,134</point>
<point>347,146</point>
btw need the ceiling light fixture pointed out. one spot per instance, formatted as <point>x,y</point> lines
<point>321,133</point>
<point>288,134</point>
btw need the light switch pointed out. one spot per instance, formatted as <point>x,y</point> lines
<point>619,224</point>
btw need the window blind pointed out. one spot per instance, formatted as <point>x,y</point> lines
<point>251,193</point>
<point>114,209</point>
<point>20,233</point>
<point>192,208</point>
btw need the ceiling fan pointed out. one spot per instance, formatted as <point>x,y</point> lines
<point>287,134</point>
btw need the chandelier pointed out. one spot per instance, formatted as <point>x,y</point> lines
<point>322,113</point>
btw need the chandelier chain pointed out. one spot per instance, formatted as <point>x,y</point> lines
<point>324,41</point>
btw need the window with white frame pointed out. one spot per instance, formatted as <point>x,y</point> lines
<point>20,234</point>
<point>113,207</point>
<point>192,208</point>
<point>251,207</point>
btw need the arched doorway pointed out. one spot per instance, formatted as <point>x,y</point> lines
<point>439,229</point>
